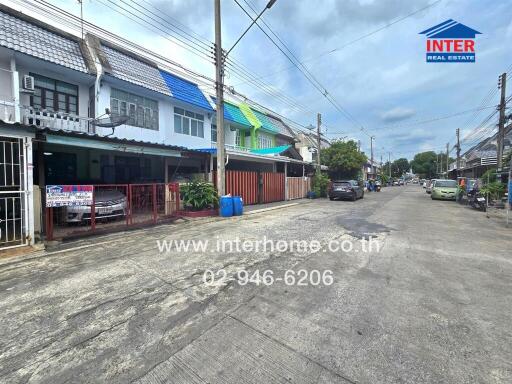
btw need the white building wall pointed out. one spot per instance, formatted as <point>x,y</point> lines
<point>306,154</point>
<point>165,133</point>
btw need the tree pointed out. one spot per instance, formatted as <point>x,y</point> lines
<point>343,159</point>
<point>424,164</point>
<point>428,164</point>
<point>400,167</point>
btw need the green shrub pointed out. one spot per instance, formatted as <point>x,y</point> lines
<point>489,176</point>
<point>494,190</point>
<point>320,184</point>
<point>198,195</point>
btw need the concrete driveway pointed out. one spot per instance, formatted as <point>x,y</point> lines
<point>433,304</point>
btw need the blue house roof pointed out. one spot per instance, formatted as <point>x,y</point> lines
<point>234,114</point>
<point>266,123</point>
<point>450,29</point>
<point>185,91</point>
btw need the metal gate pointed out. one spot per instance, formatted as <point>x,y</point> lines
<point>272,187</point>
<point>13,194</point>
<point>254,187</point>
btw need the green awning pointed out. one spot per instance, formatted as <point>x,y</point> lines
<point>271,151</point>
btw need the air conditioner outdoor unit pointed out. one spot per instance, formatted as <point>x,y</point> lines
<point>28,83</point>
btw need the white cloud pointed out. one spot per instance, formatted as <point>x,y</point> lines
<point>397,114</point>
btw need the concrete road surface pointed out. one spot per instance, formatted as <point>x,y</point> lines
<point>431,302</point>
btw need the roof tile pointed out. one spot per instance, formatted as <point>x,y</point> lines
<point>33,40</point>
<point>127,68</point>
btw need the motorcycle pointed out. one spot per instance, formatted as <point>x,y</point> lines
<point>377,188</point>
<point>477,201</point>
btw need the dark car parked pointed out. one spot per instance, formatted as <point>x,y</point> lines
<point>345,189</point>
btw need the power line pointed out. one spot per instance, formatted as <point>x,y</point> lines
<point>240,72</point>
<point>307,74</point>
<point>419,122</point>
<point>317,57</point>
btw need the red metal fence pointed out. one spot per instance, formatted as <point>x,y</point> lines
<point>114,207</point>
<point>273,187</point>
<point>269,187</point>
<point>243,183</point>
<point>297,187</point>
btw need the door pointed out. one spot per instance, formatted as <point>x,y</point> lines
<point>13,195</point>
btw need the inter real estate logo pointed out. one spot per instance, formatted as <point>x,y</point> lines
<point>450,42</point>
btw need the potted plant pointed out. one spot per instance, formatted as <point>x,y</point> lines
<point>199,199</point>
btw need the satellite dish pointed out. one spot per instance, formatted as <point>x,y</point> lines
<point>110,121</point>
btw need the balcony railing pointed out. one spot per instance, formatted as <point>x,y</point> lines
<point>42,118</point>
<point>7,111</point>
<point>237,148</point>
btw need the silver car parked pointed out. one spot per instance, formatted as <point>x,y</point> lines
<point>109,203</point>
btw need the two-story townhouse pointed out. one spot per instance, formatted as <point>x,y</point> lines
<point>42,71</point>
<point>60,94</point>
<point>256,140</point>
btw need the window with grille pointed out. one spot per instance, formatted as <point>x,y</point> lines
<point>214,133</point>
<point>54,95</point>
<point>265,141</point>
<point>188,123</point>
<point>141,111</point>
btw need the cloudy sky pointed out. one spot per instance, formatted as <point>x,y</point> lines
<point>382,80</point>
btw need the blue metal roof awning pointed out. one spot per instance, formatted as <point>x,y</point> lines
<point>207,150</point>
<point>271,151</point>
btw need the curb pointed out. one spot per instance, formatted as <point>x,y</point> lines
<point>270,208</point>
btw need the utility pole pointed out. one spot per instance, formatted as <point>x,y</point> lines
<point>447,162</point>
<point>509,190</point>
<point>371,153</point>
<point>440,165</point>
<point>318,123</point>
<point>502,83</point>
<point>389,164</point>
<point>458,151</point>
<point>219,83</point>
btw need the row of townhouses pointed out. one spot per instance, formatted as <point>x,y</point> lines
<point>482,156</point>
<point>90,111</point>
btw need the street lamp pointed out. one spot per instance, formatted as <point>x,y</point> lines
<point>268,6</point>
<point>219,84</point>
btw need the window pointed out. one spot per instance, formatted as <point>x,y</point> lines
<point>189,123</point>
<point>214,133</point>
<point>54,95</point>
<point>141,111</point>
<point>238,138</point>
<point>265,141</point>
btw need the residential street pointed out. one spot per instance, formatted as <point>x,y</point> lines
<point>432,306</point>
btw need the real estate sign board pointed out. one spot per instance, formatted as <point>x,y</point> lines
<point>68,195</point>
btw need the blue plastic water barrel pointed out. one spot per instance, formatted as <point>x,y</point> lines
<point>238,206</point>
<point>226,206</point>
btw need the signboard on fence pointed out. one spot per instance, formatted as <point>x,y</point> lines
<point>68,195</point>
